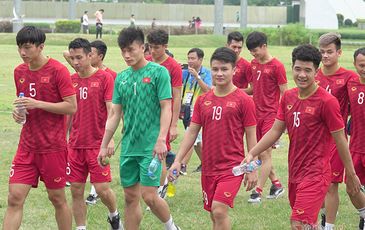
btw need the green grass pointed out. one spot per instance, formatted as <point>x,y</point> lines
<point>186,206</point>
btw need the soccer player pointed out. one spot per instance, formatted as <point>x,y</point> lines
<point>98,52</point>
<point>158,41</point>
<point>197,80</point>
<point>269,83</point>
<point>42,149</point>
<point>95,89</point>
<point>226,114</point>
<point>242,74</point>
<point>142,97</point>
<point>312,118</point>
<point>356,92</point>
<point>333,78</point>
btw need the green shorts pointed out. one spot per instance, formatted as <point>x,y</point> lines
<point>133,170</point>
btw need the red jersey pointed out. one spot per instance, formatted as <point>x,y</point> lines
<point>266,79</point>
<point>336,85</point>
<point>242,74</point>
<point>88,123</point>
<point>223,120</point>
<point>356,92</point>
<point>44,131</point>
<point>309,122</point>
<point>114,74</point>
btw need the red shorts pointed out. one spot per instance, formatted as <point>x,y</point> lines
<point>29,167</point>
<point>337,168</point>
<point>359,164</point>
<point>222,188</point>
<point>306,199</point>
<point>84,161</point>
<point>263,126</point>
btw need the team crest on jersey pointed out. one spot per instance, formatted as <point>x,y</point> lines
<point>146,80</point>
<point>340,81</point>
<point>94,84</point>
<point>21,80</point>
<point>207,103</point>
<point>289,107</point>
<point>45,80</point>
<point>353,88</point>
<point>231,104</point>
<point>75,84</point>
<point>309,110</point>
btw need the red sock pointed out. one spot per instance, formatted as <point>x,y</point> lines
<point>276,183</point>
<point>258,190</point>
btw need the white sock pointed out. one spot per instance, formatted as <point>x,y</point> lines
<point>362,212</point>
<point>329,226</point>
<point>112,214</point>
<point>81,228</point>
<point>169,225</point>
<point>93,191</point>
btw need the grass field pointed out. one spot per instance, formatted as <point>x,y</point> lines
<point>186,206</point>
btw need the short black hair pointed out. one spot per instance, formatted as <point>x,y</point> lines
<point>225,55</point>
<point>30,34</point>
<point>100,46</point>
<point>307,53</point>
<point>255,39</point>
<point>199,52</point>
<point>78,43</point>
<point>158,37</point>
<point>235,35</point>
<point>128,35</point>
<point>359,51</point>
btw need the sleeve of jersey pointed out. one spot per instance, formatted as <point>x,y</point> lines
<point>332,115</point>
<point>280,115</point>
<point>164,85</point>
<point>197,110</point>
<point>108,87</point>
<point>64,82</point>
<point>116,94</point>
<point>281,74</point>
<point>176,76</point>
<point>249,116</point>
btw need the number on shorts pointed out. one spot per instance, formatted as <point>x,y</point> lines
<point>68,169</point>
<point>11,173</point>
<point>205,198</point>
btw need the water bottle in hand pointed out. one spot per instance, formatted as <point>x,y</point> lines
<point>171,186</point>
<point>22,111</point>
<point>246,168</point>
<point>152,168</point>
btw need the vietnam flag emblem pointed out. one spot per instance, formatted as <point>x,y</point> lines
<point>146,80</point>
<point>231,104</point>
<point>44,80</point>
<point>340,81</point>
<point>94,84</point>
<point>309,110</point>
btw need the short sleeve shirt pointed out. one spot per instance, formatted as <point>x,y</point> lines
<point>223,120</point>
<point>242,74</point>
<point>44,131</point>
<point>139,92</point>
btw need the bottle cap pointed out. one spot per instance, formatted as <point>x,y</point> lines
<point>21,94</point>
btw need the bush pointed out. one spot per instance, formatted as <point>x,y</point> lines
<point>348,22</point>
<point>67,26</point>
<point>6,26</point>
<point>45,27</point>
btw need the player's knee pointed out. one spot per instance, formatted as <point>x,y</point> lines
<point>15,199</point>
<point>333,189</point>
<point>77,190</point>
<point>219,213</point>
<point>58,199</point>
<point>131,198</point>
<point>149,198</point>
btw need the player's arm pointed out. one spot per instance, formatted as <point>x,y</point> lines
<point>110,148</point>
<point>249,89</point>
<point>66,55</point>
<point>352,181</point>
<point>186,144</point>
<point>68,123</point>
<point>67,106</point>
<point>165,117</point>
<point>282,88</point>
<point>250,178</point>
<point>176,95</point>
<point>267,141</point>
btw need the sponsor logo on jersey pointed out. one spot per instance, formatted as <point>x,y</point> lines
<point>123,82</point>
<point>207,103</point>
<point>45,80</point>
<point>105,173</point>
<point>57,180</point>
<point>94,84</point>
<point>227,194</point>
<point>300,211</point>
<point>21,80</point>
<point>354,88</point>
<point>340,81</point>
<point>309,110</point>
<point>289,107</point>
<point>231,104</point>
<point>75,84</point>
<point>336,173</point>
<point>146,80</point>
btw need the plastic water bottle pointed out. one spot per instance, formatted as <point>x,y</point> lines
<point>152,168</point>
<point>171,186</point>
<point>246,168</point>
<point>22,111</point>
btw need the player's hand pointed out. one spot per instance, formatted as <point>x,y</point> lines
<point>102,156</point>
<point>193,72</point>
<point>248,159</point>
<point>110,148</point>
<point>28,102</point>
<point>250,180</point>
<point>175,166</point>
<point>160,149</point>
<point>173,133</point>
<point>353,184</point>
<point>16,115</point>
